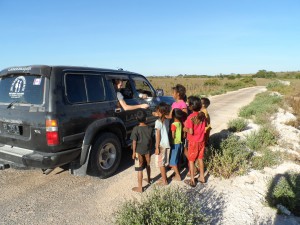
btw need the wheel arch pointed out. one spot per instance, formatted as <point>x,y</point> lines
<point>110,125</point>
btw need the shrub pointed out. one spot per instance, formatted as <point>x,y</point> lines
<point>259,140</point>
<point>248,80</point>
<point>263,104</point>
<point>278,87</point>
<point>237,125</point>
<point>212,82</point>
<point>234,85</point>
<point>267,159</point>
<point>161,206</point>
<point>284,189</point>
<point>231,159</point>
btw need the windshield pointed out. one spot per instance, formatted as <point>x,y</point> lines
<point>22,88</point>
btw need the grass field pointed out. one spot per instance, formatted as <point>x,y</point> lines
<point>206,86</point>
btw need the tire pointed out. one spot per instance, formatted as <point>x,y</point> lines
<point>105,155</point>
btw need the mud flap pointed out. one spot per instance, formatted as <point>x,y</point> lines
<point>80,170</point>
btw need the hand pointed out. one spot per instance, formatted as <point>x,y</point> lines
<point>157,151</point>
<point>144,106</point>
<point>133,155</point>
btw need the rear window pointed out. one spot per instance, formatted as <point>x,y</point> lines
<point>85,88</point>
<point>22,88</point>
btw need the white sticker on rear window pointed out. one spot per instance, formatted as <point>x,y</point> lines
<point>37,81</point>
<point>17,87</point>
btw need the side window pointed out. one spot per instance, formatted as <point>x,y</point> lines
<point>75,88</point>
<point>85,88</point>
<point>95,88</point>
<point>142,86</point>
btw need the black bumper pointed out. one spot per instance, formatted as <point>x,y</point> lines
<point>26,158</point>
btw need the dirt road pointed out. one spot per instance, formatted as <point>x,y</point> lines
<point>29,197</point>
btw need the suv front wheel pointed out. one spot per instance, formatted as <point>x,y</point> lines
<point>105,155</point>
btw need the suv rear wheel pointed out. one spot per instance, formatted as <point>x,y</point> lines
<point>105,155</point>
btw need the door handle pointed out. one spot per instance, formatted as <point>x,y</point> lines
<point>118,110</point>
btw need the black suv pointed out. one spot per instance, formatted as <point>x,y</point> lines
<point>51,116</point>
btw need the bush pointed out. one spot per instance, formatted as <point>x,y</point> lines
<point>161,206</point>
<point>268,159</point>
<point>237,125</point>
<point>248,81</point>
<point>284,189</point>
<point>263,104</point>
<point>259,140</point>
<point>231,159</point>
<point>234,85</point>
<point>278,87</point>
<point>212,82</point>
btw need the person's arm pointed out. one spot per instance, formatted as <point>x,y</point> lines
<point>173,129</point>
<point>132,107</point>
<point>157,142</point>
<point>133,149</point>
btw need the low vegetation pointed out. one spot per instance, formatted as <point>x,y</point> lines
<point>231,159</point>
<point>264,105</point>
<point>261,139</point>
<point>284,189</point>
<point>237,125</point>
<point>162,206</point>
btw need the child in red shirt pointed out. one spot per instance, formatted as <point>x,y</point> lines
<point>195,128</point>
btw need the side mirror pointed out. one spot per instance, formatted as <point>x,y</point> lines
<point>159,92</point>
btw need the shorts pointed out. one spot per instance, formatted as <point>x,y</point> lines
<point>175,154</point>
<point>141,161</point>
<point>196,150</point>
<point>162,159</point>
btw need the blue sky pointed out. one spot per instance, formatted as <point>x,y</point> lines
<point>153,37</point>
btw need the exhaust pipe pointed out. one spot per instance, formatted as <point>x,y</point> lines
<point>4,166</point>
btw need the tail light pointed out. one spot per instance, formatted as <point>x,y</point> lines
<point>52,132</point>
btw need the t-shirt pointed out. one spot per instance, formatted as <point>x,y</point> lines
<point>180,104</point>
<point>177,127</point>
<point>198,129</point>
<point>142,135</point>
<point>119,96</point>
<point>164,132</point>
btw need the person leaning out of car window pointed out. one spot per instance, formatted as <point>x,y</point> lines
<point>118,85</point>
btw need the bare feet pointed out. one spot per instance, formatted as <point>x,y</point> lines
<point>176,178</point>
<point>137,189</point>
<point>148,180</point>
<point>162,183</point>
<point>201,180</point>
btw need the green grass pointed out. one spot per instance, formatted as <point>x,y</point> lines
<point>261,139</point>
<point>267,159</point>
<point>263,104</point>
<point>284,189</point>
<point>162,206</point>
<point>237,125</point>
<point>230,160</point>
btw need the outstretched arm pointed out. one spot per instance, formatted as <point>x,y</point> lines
<point>132,107</point>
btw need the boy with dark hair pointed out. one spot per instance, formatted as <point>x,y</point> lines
<point>141,137</point>
<point>205,103</point>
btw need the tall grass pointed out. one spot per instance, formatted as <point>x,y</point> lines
<point>237,125</point>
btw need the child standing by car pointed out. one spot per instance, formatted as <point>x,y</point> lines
<point>195,128</point>
<point>162,145</point>
<point>141,137</point>
<point>205,103</point>
<point>176,146</point>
